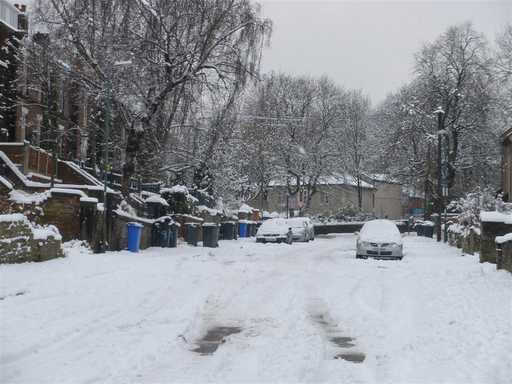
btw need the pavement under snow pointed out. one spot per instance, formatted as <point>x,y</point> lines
<point>248,312</point>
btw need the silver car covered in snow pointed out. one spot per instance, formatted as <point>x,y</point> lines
<point>379,239</point>
<point>302,229</point>
<point>275,231</point>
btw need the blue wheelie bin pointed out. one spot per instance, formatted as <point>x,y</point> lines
<point>242,229</point>
<point>134,232</point>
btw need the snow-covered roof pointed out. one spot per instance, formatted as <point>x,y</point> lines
<point>245,209</point>
<point>383,178</point>
<point>336,179</point>
<point>157,199</point>
<point>211,211</point>
<point>175,189</point>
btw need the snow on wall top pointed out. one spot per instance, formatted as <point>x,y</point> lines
<point>84,174</point>
<point>43,233</point>
<point>5,183</point>
<point>19,174</point>
<point>69,191</point>
<point>504,238</point>
<point>13,217</point>
<point>495,217</point>
<point>22,197</point>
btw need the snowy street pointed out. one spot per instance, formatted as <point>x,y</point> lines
<point>434,317</point>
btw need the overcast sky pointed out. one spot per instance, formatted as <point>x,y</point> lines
<point>363,44</point>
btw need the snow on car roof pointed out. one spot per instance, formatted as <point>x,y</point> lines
<point>380,231</point>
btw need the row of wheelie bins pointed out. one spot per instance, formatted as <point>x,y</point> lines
<point>165,233</point>
<point>247,228</point>
<point>425,229</point>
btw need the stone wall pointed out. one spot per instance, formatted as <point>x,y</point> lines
<point>119,233</point>
<point>18,245</point>
<point>471,242</point>
<point>15,240</point>
<point>506,256</point>
<point>487,242</point>
<point>63,211</point>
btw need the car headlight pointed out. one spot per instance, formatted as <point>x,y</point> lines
<point>396,245</point>
<point>364,244</point>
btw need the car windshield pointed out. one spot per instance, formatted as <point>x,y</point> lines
<point>297,223</point>
<point>273,224</point>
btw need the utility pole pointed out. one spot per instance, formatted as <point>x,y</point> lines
<point>440,192</point>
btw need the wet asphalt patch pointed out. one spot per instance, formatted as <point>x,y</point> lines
<point>343,343</point>
<point>214,337</point>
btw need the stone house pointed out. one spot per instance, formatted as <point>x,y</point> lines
<point>388,196</point>
<point>506,167</point>
<point>334,193</point>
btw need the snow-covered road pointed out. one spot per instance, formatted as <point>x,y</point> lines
<point>434,317</point>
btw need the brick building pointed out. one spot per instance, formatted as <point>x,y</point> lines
<point>13,26</point>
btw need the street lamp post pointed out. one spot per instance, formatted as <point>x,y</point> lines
<point>440,179</point>
<point>108,106</point>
